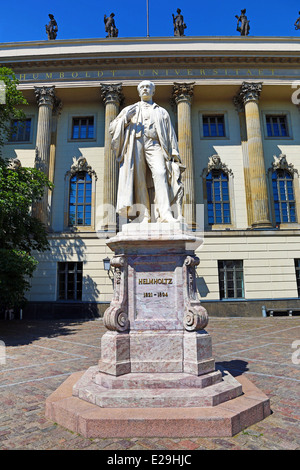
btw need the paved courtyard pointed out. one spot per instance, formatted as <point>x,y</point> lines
<point>40,355</point>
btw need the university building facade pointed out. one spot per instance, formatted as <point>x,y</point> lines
<point>234,102</point>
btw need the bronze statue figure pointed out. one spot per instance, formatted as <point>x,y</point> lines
<point>179,24</point>
<point>51,28</point>
<point>110,27</point>
<point>245,27</point>
<point>297,23</point>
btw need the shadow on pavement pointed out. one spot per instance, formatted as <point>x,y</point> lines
<point>235,367</point>
<point>23,332</point>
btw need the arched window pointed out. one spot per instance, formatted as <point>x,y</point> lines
<point>80,199</point>
<point>283,194</point>
<point>218,202</point>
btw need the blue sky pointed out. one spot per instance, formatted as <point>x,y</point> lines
<point>77,19</point>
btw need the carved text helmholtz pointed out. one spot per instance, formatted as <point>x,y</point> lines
<point>155,281</point>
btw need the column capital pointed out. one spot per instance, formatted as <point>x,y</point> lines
<point>182,92</point>
<point>250,91</point>
<point>112,93</point>
<point>45,95</point>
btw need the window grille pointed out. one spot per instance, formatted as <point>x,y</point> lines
<point>70,280</point>
<point>231,279</point>
<point>218,202</point>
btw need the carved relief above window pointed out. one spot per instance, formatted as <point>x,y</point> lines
<point>215,163</point>
<point>80,165</point>
<point>281,163</point>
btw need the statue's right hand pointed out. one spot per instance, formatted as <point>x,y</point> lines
<point>130,114</point>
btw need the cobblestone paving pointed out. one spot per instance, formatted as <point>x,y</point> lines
<point>40,356</point>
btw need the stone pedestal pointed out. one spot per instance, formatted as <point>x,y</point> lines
<point>156,354</point>
<point>155,316</point>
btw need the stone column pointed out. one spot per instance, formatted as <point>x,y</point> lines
<point>249,94</point>
<point>182,95</point>
<point>55,115</point>
<point>46,100</point>
<point>112,97</point>
<point>239,105</point>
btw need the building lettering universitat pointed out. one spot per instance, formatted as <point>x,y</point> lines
<point>234,103</point>
<point>152,73</point>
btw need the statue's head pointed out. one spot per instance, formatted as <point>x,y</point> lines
<point>178,11</point>
<point>112,15</point>
<point>51,16</point>
<point>146,89</point>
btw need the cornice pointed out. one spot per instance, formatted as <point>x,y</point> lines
<point>154,39</point>
<point>208,51</point>
<point>159,60</point>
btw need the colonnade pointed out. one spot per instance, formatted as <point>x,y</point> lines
<point>247,103</point>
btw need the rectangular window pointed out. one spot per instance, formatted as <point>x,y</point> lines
<point>218,203</point>
<point>83,128</point>
<point>297,269</point>
<point>70,281</point>
<point>213,126</point>
<point>284,199</point>
<point>277,126</point>
<point>80,199</point>
<point>231,279</point>
<point>20,130</point>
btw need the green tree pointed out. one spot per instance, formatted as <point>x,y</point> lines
<point>20,232</point>
<point>13,99</point>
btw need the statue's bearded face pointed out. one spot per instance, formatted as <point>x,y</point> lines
<point>146,90</point>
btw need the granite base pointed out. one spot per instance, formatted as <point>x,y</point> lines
<point>90,420</point>
<point>156,390</point>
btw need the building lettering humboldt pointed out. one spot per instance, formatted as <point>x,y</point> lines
<point>152,73</point>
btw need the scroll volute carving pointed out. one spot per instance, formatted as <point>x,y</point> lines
<point>195,316</point>
<point>116,315</point>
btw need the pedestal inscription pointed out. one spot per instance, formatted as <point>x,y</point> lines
<point>155,294</point>
<point>156,290</point>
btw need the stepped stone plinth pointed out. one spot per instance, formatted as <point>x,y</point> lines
<point>156,375</point>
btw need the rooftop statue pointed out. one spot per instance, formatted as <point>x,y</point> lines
<point>297,23</point>
<point>110,27</point>
<point>51,28</point>
<point>145,145</point>
<point>245,27</point>
<point>179,24</point>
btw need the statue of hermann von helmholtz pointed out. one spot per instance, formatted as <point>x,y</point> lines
<point>146,147</point>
